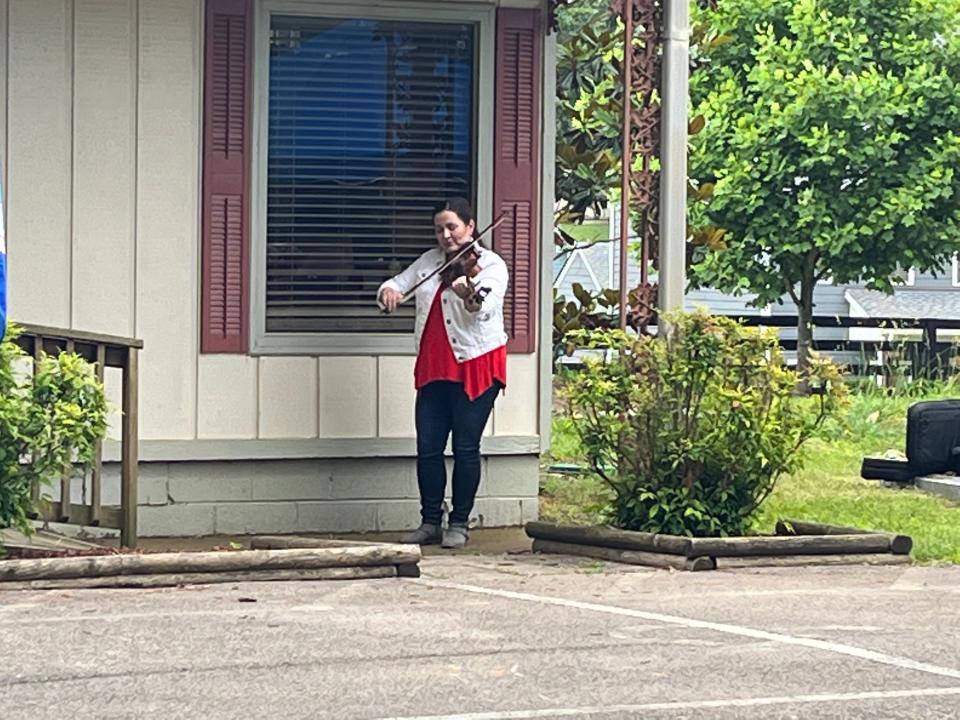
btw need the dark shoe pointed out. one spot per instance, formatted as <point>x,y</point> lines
<point>426,534</point>
<point>455,537</point>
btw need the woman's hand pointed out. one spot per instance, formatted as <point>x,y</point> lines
<point>390,299</point>
<point>462,287</point>
<point>467,291</point>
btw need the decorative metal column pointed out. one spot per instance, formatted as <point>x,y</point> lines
<point>641,141</point>
<point>655,37</point>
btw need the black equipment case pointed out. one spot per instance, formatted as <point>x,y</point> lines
<point>933,444</point>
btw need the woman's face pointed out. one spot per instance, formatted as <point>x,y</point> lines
<point>451,231</point>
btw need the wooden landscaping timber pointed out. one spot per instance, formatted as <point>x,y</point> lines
<point>205,578</point>
<point>884,558</point>
<point>207,562</point>
<point>789,545</point>
<point>285,542</point>
<point>610,538</point>
<point>899,544</point>
<point>630,557</point>
<point>410,570</point>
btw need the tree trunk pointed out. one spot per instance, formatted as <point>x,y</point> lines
<point>805,328</point>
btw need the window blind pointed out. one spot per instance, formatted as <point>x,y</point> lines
<point>370,123</point>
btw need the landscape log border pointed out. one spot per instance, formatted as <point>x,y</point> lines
<point>797,543</point>
<point>166,569</point>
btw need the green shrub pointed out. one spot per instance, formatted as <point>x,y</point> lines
<point>691,435</point>
<point>49,425</point>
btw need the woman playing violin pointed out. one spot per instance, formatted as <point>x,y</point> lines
<point>461,364</point>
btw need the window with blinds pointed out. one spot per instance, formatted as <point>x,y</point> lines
<point>371,123</point>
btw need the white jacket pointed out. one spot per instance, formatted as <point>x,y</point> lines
<point>471,334</point>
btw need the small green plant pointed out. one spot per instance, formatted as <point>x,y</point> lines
<point>49,425</point>
<point>691,435</point>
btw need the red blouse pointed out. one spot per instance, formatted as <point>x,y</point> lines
<point>435,360</point>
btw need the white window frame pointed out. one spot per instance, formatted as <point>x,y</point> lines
<point>956,271</point>
<point>320,343</point>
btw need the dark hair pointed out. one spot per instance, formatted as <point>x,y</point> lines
<point>461,208</point>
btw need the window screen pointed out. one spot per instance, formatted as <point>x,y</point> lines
<point>371,122</point>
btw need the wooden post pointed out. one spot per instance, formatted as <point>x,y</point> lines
<point>929,350</point>
<point>96,474</point>
<point>37,355</point>
<point>129,450</point>
<point>66,474</point>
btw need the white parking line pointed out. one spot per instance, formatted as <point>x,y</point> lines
<point>838,648</point>
<point>690,705</point>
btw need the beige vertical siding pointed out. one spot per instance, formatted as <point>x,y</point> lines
<point>168,193</point>
<point>516,412</point>
<point>227,403</point>
<point>288,397</point>
<point>4,8</point>
<point>396,397</point>
<point>100,127</point>
<point>348,397</point>
<point>39,154</point>
<point>104,176</point>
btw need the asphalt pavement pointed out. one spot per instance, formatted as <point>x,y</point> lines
<point>493,637</point>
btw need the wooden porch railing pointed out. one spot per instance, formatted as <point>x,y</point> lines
<point>105,351</point>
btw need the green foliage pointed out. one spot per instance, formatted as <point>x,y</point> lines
<point>49,425</point>
<point>597,310</point>
<point>692,434</point>
<point>831,143</point>
<point>585,311</point>
<point>828,487</point>
<point>588,105</point>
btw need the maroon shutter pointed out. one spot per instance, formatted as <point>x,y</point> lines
<point>516,187</point>
<point>226,179</point>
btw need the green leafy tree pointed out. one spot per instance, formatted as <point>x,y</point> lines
<point>831,144</point>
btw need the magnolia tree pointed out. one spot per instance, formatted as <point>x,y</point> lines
<point>831,146</point>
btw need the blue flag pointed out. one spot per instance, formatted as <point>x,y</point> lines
<point>3,268</point>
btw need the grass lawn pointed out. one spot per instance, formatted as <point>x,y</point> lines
<point>828,489</point>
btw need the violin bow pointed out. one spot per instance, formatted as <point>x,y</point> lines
<point>460,253</point>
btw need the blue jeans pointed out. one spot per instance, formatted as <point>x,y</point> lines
<point>443,407</point>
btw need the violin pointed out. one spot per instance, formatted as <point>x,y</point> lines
<point>466,265</point>
<point>461,263</point>
<point>461,267</point>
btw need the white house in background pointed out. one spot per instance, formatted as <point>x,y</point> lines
<point>230,180</point>
<point>922,295</point>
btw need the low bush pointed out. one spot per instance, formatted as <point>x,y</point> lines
<point>691,435</point>
<point>50,423</point>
